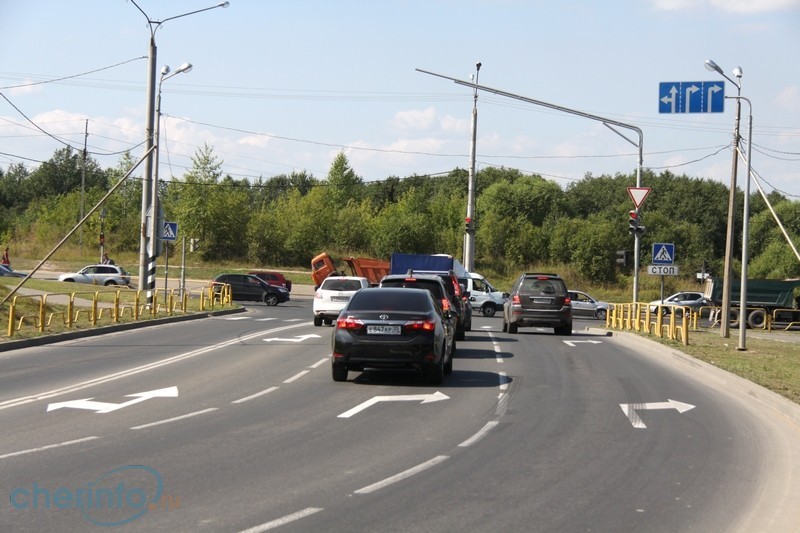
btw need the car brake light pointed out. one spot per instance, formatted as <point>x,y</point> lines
<point>349,323</point>
<point>516,300</point>
<point>567,300</point>
<point>420,325</point>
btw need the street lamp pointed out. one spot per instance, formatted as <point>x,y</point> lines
<point>148,239</point>
<point>725,330</point>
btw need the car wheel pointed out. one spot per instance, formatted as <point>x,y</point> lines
<point>317,320</point>
<point>339,371</point>
<point>448,366</point>
<point>460,334</point>
<point>69,280</point>
<point>566,329</point>
<point>601,314</point>
<point>505,325</point>
<point>489,310</point>
<point>328,321</point>
<point>110,282</point>
<point>512,327</point>
<point>270,299</point>
<point>435,372</point>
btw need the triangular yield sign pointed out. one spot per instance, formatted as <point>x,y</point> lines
<point>638,194</point>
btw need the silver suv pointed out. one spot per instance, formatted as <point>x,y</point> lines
<point>538,300</point>
<point>98,275</point>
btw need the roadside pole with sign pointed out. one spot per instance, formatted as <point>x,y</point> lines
<point>638,195</point>
<point>663,259</point>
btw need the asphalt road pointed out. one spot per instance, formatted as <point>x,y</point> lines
<point>233,423</point>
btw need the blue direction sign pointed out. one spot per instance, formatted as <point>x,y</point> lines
<point>691,97</point>
<point>170,231</point>
<point>663,253</point>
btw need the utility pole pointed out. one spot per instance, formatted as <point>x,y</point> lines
<point>469,235</point>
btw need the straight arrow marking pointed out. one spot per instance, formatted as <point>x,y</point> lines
<point>299,338</point>
<point>422,398</point>
<point>630,410</point>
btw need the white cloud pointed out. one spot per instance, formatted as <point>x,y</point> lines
<point>414,119</point>
<point>732,6</point>
<point>789,98</point>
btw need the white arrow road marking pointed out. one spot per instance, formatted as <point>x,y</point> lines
<point>299,338</point>
<point>573,343</point>
<point>630,410</point>
<point>424,398</point>
<point>106,407</point>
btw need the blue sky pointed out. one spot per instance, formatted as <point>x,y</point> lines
<point>284,86</point>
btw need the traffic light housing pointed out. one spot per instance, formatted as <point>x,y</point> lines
<point>623,257</point>
<point>635,223</point>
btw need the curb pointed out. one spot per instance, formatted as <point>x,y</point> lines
<point>78,334</point>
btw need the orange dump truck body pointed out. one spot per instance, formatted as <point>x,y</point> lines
<point>323,266</point>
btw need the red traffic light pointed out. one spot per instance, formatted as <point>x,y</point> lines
<point>633,215</point>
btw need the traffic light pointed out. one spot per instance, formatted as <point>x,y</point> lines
<point>633,222</point>
<point>102,238</point>
<point>623,257</point>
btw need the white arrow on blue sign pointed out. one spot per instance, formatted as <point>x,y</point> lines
<point>691,97</point>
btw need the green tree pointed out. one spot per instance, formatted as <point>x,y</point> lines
<point>343,183</point>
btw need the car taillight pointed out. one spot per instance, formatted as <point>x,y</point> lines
<point>420,325</point>
<point>567,300</point>
<point>349,323</point>
<point>515,300</point>
<point>318,295</point>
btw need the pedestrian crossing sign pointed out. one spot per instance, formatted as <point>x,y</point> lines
<point>170,231</point>
<point>663,253</point>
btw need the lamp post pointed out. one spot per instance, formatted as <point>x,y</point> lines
<point>469,236</point>
<point>725,330</point>
<point>165,75</point>
<point>147,240</point>
<point>745,230</point>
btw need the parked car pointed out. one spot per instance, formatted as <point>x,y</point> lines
<point>538,300</point>
<point>99,275</point>
<point>247,287</point>
<point>333,295</point>
<point>433,283</point>
<point>692,299</point>
<point>273,278</point>
<point>393,327</point>
<point>585,305</point>
<point>11,273</point>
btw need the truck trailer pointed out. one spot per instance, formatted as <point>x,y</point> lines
<point>764,297</point>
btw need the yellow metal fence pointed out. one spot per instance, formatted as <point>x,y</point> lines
<point>58,311</point>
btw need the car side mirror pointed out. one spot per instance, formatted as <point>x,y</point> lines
<point>506,295</point>
<point>472,299</point>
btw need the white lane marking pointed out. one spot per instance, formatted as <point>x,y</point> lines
<point>265,319</point>
<point>256,395</point>
<point>498,358</point>
<point>48,447</point>
<point>238,318</point>
<point>503,381</point>
<point>403,475</point>
<point>297,376</point>
<point>422,398</point>
<point>168,420</point>
<point>293,319</point>
<point>136,370</point>
<point>480,434</point>
<point>308,511</point>
<point>319,363</point>
<point>502,404</point>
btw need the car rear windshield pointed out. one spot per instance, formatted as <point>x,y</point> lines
<point>340,285</point>
<point>376,299</point>
<point>544,287</point>
<point>434,287</point>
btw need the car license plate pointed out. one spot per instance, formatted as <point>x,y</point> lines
<point>383,330</point>
<point>340,298</point>
<point>542,300</point>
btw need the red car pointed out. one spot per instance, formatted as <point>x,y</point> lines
<point>273,278</point>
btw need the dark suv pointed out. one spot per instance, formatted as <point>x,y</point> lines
<point>460,305</point>
<point>435,285</point>
<point>538,300</point>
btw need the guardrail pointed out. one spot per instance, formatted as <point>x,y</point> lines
<point>638,316</point>
<point>94,308</point>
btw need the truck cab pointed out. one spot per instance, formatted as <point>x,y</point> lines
<point>482,295</point>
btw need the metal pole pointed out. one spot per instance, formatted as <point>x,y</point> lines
<point>725,328</point>
<point>183,267</point>
<point>147,180</point>
<point>469,237</point>
<point>745,230</point>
